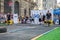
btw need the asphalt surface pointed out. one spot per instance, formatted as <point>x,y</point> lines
<point>24,31</point>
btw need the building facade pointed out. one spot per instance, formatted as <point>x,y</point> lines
<point>1,6</point>
<point>21,7</point>
<point>58,5</point>
<point>46,4</point>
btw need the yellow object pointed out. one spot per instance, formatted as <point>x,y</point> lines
<point>7,22</point>
<point>11,21</point>
<point>51,22</point>
<point>18,21</point>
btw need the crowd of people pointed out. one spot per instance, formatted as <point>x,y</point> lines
<point>4,18</point>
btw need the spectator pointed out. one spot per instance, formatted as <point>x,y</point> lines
<point>30,19</point>
<point>59,19</point>
<point>40,18</point>
<point>43,18</point>
<point>48,16</point>
<point>8,17</point>
<point>5,16</point>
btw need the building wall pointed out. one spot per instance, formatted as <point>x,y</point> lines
<point>40,6</point>
<point>51,4</point>
<point>23,5</point>
<point>2,6</point>
<point>46,4</point>
<point>58,5</point>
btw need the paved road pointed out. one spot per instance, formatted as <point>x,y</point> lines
<point>24,32</point>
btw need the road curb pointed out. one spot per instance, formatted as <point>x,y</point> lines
<point>43,34</point>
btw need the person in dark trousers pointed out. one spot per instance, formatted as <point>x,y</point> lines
<point>40,18</point>
<point>26,18</point>
<point>30,19</point>
<point>8,17</point>
<point>59,19</point>
<point>43,17</point>
<point>48,16</point>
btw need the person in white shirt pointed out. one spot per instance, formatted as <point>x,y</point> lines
<point>40,18</point>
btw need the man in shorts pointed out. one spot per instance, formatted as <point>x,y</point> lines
<point>8,18</point>
<point>48,16</point>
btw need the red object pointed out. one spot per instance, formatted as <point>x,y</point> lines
<point>10,3</point>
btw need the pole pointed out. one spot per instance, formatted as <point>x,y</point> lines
<point>12,6</point>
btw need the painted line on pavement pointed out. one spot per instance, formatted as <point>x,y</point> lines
<point>12,31</point>
<point>43,34</point>
<point>16,30</point>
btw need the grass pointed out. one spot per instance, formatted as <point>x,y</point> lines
<point>53,35</point>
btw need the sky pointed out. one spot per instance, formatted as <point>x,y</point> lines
<point>58,1</point>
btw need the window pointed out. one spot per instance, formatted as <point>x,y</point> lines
<point>44,4</point>
<point>16,7</point>
<point>7,8</point>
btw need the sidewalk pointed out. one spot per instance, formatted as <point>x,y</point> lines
<point>24,32</point>
<point>19,27</point>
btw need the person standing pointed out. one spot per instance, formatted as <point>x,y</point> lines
<point>40,18</point>
<point>43,18</point>
<point>8,18</point>
<point>59,19</point>
<point>48,16</point>
<point>5,16</point>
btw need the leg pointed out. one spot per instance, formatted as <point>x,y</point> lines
<point>59,22</point>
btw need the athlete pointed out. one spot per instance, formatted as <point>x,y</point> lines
<point>48,17</point>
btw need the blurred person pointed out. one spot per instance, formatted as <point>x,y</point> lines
<point>54,20</point>
<point>48,17</point>
<point>11,15</point>
<point>59,19</point>
<point>26,18</point>
<point>20,19</point>
<point>40,18</point>
<point>8,17</point>
<point>5,16</point>
<point>30,19</point>
<point>43,18</point>
<point>1,18</point>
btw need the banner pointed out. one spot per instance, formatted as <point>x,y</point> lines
<point>15,18</point>
<point>35,15</point>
